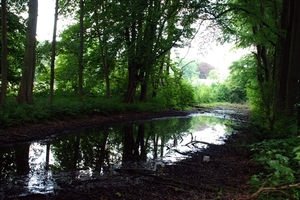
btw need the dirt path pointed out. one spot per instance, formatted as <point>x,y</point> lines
<point>223,177</point>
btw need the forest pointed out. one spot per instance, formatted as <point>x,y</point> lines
<point>115,56</point>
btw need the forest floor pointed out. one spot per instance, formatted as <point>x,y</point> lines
<point>224,177</point>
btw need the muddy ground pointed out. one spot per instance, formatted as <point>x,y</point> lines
<point>225,176</point>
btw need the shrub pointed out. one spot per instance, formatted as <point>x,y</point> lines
<point>280,162</point>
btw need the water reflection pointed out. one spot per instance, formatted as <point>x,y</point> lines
<point>40,167</point>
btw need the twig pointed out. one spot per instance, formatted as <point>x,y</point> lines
<point>260,190</point>
<point>21,135</point>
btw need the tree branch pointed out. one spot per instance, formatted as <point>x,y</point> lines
<point>260,190</point>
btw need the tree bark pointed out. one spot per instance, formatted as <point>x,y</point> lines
<point>4,62</point>
<point>144,87</point>
<point>106,73</point>
<point>282,54</point>
<point>25,93</point>
<point>292,88</point>
<point>132,84</point>
<point>53,53</point>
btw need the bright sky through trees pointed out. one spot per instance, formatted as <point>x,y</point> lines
<point>219,56</point>
<point>46,20</point>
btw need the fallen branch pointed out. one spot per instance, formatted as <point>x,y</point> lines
<point>195,142</point>
<point>257,193</point>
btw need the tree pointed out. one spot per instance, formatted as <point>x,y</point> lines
<point>107,40</point>
<point>204,69</point>
<point>254,24</point>
<point>15,32</point>
<point>53,53</point>
<point>282,53</point>
<point>141,33</point>
<point>80,63</point>
<point>292,84</point>
<point>272,27</point>
<point>151,30</point>
<point>25,93</point>
<point>4,53</point>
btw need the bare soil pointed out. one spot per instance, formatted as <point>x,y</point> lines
<point>225,176</point>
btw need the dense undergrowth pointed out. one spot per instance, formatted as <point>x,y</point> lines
<point>277,155</point>
<point>279,175</point>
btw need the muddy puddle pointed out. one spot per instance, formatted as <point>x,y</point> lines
<point>41,167</point>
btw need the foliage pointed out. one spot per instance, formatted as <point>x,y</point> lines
<point>203,94</point>
<point>219,92</point>
<point>16,31</point>
<point>213,75</point>
<point>178,95</point>
<point>280,162</point>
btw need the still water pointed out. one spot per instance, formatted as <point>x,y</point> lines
<point>43,166</point>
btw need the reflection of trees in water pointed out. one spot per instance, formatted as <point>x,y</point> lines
<point>100,148</point>
<point>81,150</point>
<point>94,149</point>
<point>134,149</point>
<point>66,153</point>
<point>7,163</point>
<point>166,133</point>
<point>22,159</point>
<point>14,160</point>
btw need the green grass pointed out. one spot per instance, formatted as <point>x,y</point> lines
<point>14,114</point>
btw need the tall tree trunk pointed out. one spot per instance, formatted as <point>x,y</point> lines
<point>25,93</point>
<point>132,83</point>
<point>292,88</point>
<point>144,87</point>
<point>4,62</point>
<point>53,53</point>
<point>282,54</point>
<point>103,50</point>
<point>80,70</point>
